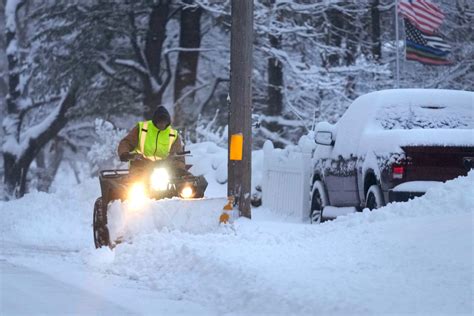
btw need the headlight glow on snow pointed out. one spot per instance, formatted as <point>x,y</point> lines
<point>187,192</point>
<point>137,195</point>
<point>159,179</point>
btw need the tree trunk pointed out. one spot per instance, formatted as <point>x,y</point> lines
<point>333,37</point>
<point>13,71</point>
<point>375,20</point>
<point>275,85</point>
<point>11,122</point>
<point>48,161</point>
<point>186,68</point>
<point>12,179</point>
<point>155,38</point>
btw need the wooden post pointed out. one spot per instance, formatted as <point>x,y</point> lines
<point>240,109</point>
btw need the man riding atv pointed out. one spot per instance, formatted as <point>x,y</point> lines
<point>154,140</point>
<point>157,170</point>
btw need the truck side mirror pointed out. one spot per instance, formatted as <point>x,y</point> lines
<point>324,138</point>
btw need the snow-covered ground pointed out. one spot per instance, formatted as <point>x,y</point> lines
<point>414,257</point>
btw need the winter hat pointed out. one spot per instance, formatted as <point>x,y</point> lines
<point>161,115</point>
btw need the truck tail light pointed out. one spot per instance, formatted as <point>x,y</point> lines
<point>398,171</point>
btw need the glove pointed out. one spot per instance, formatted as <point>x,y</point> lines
<point>125,157</point>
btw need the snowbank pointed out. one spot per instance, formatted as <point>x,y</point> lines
<point>361,263</point>
<point>413,257</point>
<point>453,197</point>
<point>61,220</point>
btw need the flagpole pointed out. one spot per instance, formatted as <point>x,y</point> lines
<point>397,45</point>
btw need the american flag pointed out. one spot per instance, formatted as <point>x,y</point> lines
<point>426,48</point>
<point>422,13</point>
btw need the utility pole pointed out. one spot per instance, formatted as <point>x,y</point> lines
<point>397,40</point>
<point>240,109</point>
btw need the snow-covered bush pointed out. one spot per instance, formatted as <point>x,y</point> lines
<point>211,131</point>
<point>103,153</point>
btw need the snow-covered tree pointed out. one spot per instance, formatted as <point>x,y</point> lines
<point>147,50</point>
<point>103,152</point>
<point>22,143</point>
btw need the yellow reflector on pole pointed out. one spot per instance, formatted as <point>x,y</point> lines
<point>236,146</point>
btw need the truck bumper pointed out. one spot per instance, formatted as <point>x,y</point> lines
<point>401,196</point>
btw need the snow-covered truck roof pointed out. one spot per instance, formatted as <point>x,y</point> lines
<point>387,120</point>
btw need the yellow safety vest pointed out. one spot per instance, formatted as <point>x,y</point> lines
<point>153,143</point>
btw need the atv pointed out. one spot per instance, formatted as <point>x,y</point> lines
<point>145,179</point>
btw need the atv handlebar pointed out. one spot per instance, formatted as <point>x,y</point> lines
<point>139,157</point>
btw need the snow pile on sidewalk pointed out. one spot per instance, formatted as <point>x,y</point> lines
<point>62,219</point>
<point>452,197</point>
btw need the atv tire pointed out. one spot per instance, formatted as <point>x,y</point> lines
<point>101,232</point>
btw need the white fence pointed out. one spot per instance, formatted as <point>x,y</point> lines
<point>286,181</point>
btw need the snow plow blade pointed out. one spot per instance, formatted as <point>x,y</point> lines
<point>126,221</point>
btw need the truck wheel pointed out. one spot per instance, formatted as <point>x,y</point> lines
<point>99,225</point>
<point>374,198</point>
<point>319,200</point>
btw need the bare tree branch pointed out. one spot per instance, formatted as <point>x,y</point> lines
<point>134,40</point>
<point>211,93</point>
<point>133,65</point>
<point>113,75</point>
<point>167,80</point>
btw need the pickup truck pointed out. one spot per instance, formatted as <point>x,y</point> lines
<point>391,145</point>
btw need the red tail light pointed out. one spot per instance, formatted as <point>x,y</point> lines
<point>398,171</point>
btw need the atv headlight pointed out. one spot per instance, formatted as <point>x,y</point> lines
<point>187,192</point>
<point>137,195</point>
<point>159,179</point>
